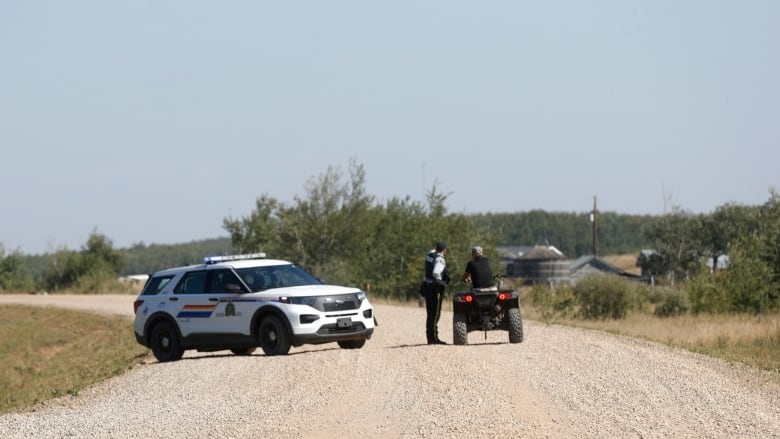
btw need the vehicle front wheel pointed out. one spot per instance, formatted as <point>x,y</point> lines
<point>273,336</point>
<point>351,344</point>
<point>515,325</point>
<point>165,342</point>
<point>460,332</point>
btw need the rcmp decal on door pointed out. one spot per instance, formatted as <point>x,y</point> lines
<point>230,308</point>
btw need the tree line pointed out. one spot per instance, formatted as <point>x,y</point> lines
<point>343,235</point>
<point>570,232</point>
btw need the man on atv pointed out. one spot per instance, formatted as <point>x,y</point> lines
<point>478,270</point>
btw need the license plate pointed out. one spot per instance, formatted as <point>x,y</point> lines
<point>344,322</point>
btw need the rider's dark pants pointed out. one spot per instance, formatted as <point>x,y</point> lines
<point>433,297</point>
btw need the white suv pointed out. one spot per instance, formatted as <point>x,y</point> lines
<point>243,301</point>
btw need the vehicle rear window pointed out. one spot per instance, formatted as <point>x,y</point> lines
<point>156,284</point>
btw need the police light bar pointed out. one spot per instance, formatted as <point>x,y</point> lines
<point>226,258</point>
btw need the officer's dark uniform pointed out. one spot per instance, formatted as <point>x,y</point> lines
<point>434,293</point>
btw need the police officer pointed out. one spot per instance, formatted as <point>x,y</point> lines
<point>478,270</point>
<point>435,279</point>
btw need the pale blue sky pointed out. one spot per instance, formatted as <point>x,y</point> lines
<point>154,120</point>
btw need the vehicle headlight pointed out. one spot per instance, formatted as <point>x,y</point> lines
<point>309,300</point>
<point>361,296</point>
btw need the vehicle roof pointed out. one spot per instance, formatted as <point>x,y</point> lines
<point>242,263</point>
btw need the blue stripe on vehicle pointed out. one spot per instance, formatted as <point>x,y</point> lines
<point>193,314</point>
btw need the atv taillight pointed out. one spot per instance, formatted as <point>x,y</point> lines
<point>137,304</point>
<point>504,296</point>
<point>468,299</point>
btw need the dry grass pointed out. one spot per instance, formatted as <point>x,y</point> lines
<point>748,339</point>
<point>697,329</point>
<point>50,352</point>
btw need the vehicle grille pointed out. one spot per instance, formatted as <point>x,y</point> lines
<point>344,302</point>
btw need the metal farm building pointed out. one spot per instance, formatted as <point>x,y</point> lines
<point>537,264</point>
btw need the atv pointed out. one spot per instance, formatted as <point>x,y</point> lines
<point>486,309</point>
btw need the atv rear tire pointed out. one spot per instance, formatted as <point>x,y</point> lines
<point>460,332</point>
<point>515,323</point>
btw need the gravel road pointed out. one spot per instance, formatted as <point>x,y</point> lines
<point>559,383</point>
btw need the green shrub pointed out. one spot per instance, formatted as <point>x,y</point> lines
<point>557,302</point>
<point>671,302</point>
<point>605,296</point>
<point>706,294</point>
<point>644,295</point>
<point>101,282</point>
<point>750,284</point>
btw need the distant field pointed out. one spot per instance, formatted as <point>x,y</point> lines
<point>626,263</point>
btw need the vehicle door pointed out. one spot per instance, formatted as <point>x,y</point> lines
<point>195,304</point>
<point>232,311</point>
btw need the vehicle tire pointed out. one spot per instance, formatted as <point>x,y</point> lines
<point>460,332</point>
<point>273,335</point>
<point>515,323</point>
<point>243,351</point>
<point>351,344</point>
<point>165,342</point>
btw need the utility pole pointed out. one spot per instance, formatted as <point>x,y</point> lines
<point>594,220</point>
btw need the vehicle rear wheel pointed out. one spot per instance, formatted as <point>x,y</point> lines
<point>351,344</point>
<point>273,336</point>
<point>515,323</point>
<point>165,342</point>
<point>243,351</point>
<point>460,332</point>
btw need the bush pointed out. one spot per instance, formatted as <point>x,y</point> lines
<point>750,284</point>
<point>706,294</point>
<point>605,296</point>
<point>644,296</point>
<point>558,302</point>
<point>100,282</point>
<point>13,272</point>
<point>671,302</point>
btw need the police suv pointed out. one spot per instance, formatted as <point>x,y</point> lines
<point>240,302</point>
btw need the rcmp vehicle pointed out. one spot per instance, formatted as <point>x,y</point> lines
<point>240,302</point>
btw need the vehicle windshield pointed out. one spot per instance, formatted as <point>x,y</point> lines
<point>278,276</point>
